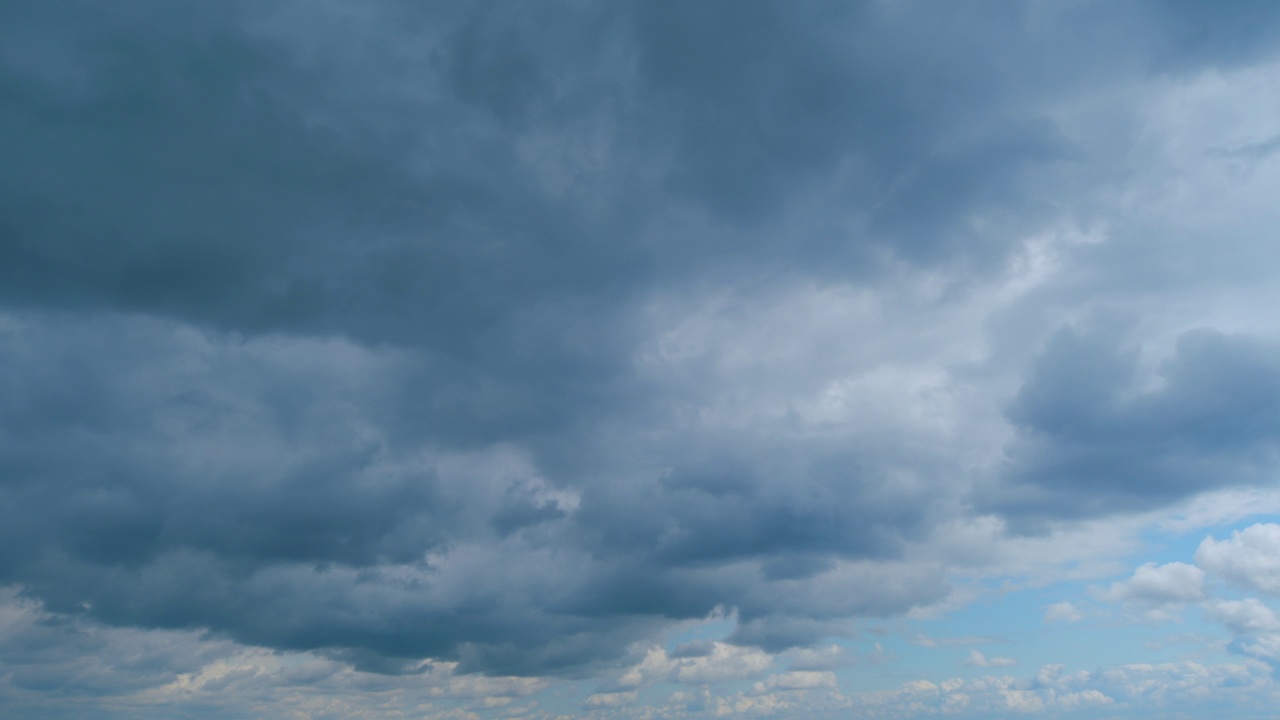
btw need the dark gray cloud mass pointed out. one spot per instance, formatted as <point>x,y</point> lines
<point>331,325</point>
<point>1094,442</point>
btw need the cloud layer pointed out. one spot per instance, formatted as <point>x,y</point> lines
<point>506,339</point>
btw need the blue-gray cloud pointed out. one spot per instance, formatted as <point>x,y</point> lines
<point>332,328</point>
<point>1094,442</point>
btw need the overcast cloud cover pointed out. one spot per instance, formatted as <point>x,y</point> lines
<point>638,359</point>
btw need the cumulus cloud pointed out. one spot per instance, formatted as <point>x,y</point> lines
<point>1153,586</point>
<point>697,663</point>
<point>1248,615</point>
<point>1250,558</point>
<point>1162,591</point>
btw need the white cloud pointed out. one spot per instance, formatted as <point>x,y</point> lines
<point>726,662</point>
<point>1023,701</point>
<point>821,658</point>
<point>1160,590</point>
<point>1137,689</point>
<point>1244,616</point>
<point>612,699</point>
<point>484,686</point>
<point>722,662</point>
<point>1249,558</point>
<point>796,680</point>
<point>1062,612</point>
<point>1083,699</point>
<point>977,659</point>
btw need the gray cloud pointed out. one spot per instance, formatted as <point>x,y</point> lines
<point>1094,442</point>
<point>384,331</point>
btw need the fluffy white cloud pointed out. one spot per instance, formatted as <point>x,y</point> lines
<point>710,662</point>
<point>1244,616</point>
<point>1250,558</point>
<point>1247,559</point>
<point>1159,589</point>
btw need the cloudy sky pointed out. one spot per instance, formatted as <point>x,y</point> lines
<point>654,359</point>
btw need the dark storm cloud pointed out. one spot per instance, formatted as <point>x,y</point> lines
<point>181,159</point>
<point>188,480</point>
<point>121,442</point>
<point>322,321</point>
<point>1094,441</point>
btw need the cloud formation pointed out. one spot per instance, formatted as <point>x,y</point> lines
<point>1250,558</point>
<point>493,344</point>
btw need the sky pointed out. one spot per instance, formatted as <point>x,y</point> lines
<point>639,360</point>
